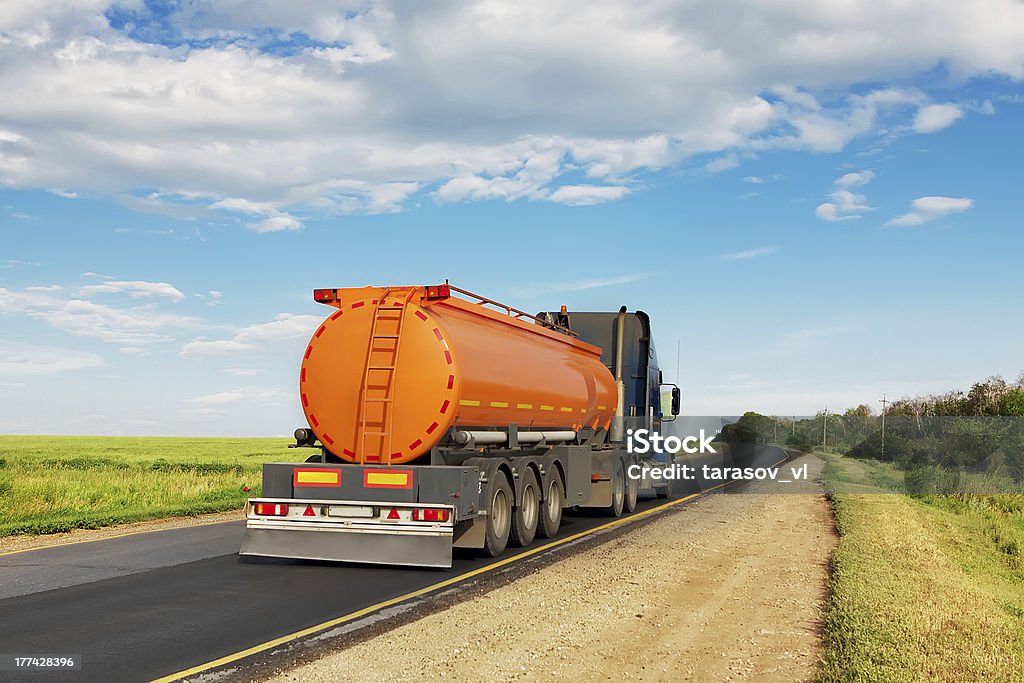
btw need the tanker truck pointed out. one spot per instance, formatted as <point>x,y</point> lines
<point>440,419</point>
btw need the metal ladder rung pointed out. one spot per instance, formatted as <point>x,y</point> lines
<point>382,312</point>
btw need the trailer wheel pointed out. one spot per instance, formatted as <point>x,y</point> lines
<point>551,510</point>
<point>662,492</point>
<point>632,491</point>
<point>499,514</point>
<point>524,518</point>
<point>328,457</point>
<point>618,490</point>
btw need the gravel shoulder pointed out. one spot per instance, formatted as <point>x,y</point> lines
<point>729,587</point>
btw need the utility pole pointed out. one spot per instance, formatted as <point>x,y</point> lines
<point>824,429</point>
<point>794,425</point>
<point>775,439</point>
<point>884,403</point>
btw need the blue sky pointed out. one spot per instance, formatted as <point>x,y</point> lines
<point>820,204</point>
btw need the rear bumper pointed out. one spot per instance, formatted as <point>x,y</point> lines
<point>368,541</point>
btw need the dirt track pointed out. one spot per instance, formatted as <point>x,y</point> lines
<point>730,588</point>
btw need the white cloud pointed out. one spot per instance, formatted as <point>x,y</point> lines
<point>63,193</point>
<point>855,179</point>
<point>285,332</point>
<point>134,288</point>
<point>274,220</point>
<point>578,285</point>
<point>131,326</point>
<point>749,254</point>
<point>925,209</point>
<point>756,180</point>
<point>844,205</point>
<point>276,224</point>
<point>935,117</point>
<point>243,394</point>
<point>583,195</point>
<point>222,404</point>
<point>720,164</point>
<point>242,372</point>
<point>483,99</point>
<point>28,360</point>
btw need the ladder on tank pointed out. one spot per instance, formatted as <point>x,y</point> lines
<point>377,412</point>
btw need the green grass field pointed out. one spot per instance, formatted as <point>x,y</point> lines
<point>50,484</point>
<point>923,588</point>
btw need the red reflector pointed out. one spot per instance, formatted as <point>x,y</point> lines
<point>272,509</point>
<point>393,514</point>
<point>595,477</point>
<point>429,515</point>
<point>438,292</point>
<point>309,512</point>
<point>323,294</point>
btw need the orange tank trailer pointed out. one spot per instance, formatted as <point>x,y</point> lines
<point>386,375</point>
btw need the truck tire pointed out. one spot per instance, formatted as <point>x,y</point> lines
<point>551,509</point>
<point>662,492</point>
<point>618,490</point>
<point>330,457</point>
<point>526,514</point>
<point>632,492</point>
<point>499,514</point>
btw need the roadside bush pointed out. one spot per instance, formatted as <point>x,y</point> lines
<point>800,442</point>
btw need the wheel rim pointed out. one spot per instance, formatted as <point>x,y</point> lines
<point>554,502</point>
<point>620,491</point>
<point>531,508</point>
<point>500,513</point>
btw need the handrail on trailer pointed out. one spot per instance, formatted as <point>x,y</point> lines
<point>484,301</point>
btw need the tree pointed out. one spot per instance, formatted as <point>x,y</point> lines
<point>1012,402</point>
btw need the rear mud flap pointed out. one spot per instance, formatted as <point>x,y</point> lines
<point>419,548</point>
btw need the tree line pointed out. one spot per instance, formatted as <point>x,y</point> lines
<point>978,431</point>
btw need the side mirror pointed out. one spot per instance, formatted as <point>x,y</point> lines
<point>671,401</point>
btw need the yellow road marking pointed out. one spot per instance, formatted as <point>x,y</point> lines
<point>352,616</point>
<point>109,538</point>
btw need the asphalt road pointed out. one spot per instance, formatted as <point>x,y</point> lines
<point>143,606</point>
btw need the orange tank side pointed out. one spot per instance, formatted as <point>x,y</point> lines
<point>390,371</point>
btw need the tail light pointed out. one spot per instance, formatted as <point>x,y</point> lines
<point>429,515</point>
<point>324,294</point>
<point>438,292</point>
<point>272,509</point>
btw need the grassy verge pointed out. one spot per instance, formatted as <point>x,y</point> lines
<point>51,484</point>
<point>923,588</point>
